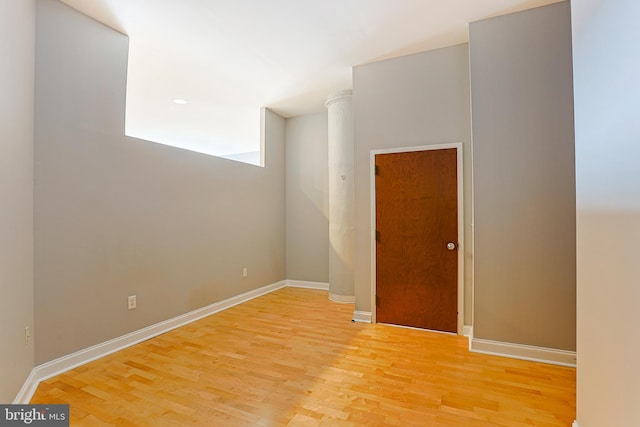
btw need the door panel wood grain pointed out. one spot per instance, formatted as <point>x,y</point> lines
<point>416,217</point>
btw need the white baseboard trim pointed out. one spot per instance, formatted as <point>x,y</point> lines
<point>348,299</point>
<point>307,284</point>
<point>27,390</point>
<point>345,299</point>
<point>525,352</point>
<point>575,424</point>
<point>81,357</point>
<point>362,316</point>
<point>467,331</point>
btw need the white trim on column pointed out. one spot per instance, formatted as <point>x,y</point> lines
<point>372,234</point>
<point>307,285</point>
<point>575,424</point>
<point>344,299</point>
<point>525,352</point>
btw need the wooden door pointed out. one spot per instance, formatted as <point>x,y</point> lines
<point>416,218</point>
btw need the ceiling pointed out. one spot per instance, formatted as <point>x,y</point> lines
<point>229,58</point>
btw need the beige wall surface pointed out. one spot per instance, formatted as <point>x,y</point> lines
<point>420,99</point>
<point>17,38</point>
<point>524,178</point>
<point>117,216</point>
<point>307,198</point>
<point>606,70</point>
<point>608,383</point>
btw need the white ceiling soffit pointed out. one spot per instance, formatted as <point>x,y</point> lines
<point>229,58</point>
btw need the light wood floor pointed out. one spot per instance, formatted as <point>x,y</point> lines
<point>293,358</point>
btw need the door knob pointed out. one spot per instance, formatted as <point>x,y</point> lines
<point>451,246</point>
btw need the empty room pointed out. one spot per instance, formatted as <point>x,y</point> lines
<point>319,213</point>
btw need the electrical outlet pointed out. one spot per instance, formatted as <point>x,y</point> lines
<point>131,302</point>
<point>27,335</point>
<point>245,272</point>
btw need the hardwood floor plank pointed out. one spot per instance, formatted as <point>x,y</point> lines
<point>294,358</point>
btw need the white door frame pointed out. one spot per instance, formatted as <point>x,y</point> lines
<point>372,234</point>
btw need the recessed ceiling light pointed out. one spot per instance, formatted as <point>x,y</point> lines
<point>179,101</point>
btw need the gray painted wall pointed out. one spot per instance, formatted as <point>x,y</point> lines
<point>524,178</point>
<point>419,99</point>
<point>606,69</point>
<point>117,216</point>
<point>307,188</point>
<point>17,42</point>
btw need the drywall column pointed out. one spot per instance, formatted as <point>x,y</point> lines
<point>524,181</point>
<point>605,73</point>
<point>341,197</point>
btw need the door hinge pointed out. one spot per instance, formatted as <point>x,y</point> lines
<point>377,236</point>
<point>377,301</point>
<point>376,170</point>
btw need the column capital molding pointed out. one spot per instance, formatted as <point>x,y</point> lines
<point>343,95</point>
